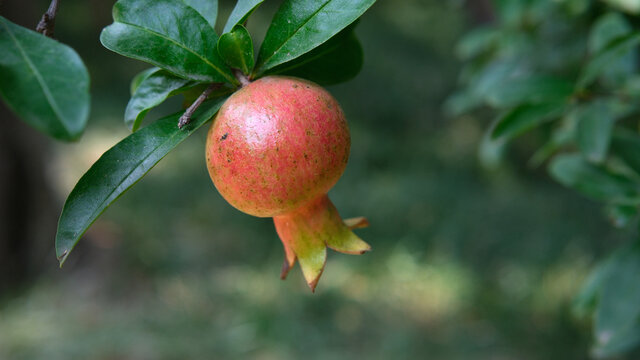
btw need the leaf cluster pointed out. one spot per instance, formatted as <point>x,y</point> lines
<point>567,72</point>
<point>309,39</point>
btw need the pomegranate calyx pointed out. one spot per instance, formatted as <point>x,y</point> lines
<point>308,231</point>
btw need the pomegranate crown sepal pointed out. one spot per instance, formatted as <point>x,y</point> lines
<point>308,231</point>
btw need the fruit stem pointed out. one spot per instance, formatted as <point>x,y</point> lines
<point>48,21</point>
<point>186,117</point>
<point>244,80</point>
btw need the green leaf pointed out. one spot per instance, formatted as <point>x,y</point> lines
<point>630,6</point>
<point>241,12</point>
<point>300,26</point>
<point>593,132</point>
<point>563,135</point>
<point>618,343</point>
<point>571,170</point>
<point>585,303</point>
<point>529,89</point>
<point>43,81</point>
<point>139,78</point>
<point>617,326</point>
<point>120,168</point>
<point>524,118</point>
<point>477,42</point>
<point>484,78</point>
<point>168,34</point>
<point>626,145</point>
<point>491,151</point>
<point>236,48</point>
<point>607,28</point>
<point>598,64</point>
<point>151,92</point>
<point>335,61</point>
<point>208,9</point>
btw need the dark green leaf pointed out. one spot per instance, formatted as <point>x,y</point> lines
<point>208,9</point>
<point>529,89</point>
<point>593,133</point>
<point>617,49</point>
<point>168,34</point>
<point>617,326</point>
<point>300,26</point>
<point>139,78</point>
<point>524,118</point>
<point>236,48</point>
<point>43,81</point>
<point>241,12</point>
<point>626,145</point>
<point>120,168</point>
<point>151,92</point>
<point>573,171</point>
<point>335,61</point>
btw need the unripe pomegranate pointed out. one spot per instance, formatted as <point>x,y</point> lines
<point>275,149</point>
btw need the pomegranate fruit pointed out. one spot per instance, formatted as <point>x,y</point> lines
<point>275,149</point>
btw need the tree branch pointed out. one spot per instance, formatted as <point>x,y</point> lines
<point>48,21</point>
<point>244,80</point>
<point>186,117</point>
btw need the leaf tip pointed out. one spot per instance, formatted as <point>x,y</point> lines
<point>63,257</point>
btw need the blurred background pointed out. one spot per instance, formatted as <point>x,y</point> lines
<point>468,262</point>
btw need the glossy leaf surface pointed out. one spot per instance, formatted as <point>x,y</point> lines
<point>139,78</point>
<point>120,168</point>
<point>43,81</point>
<point>167,34</point>
<point>236,48</point>
<point>208,9</point>
<point>151,92</point>
<point>300,26</point>
<point>336,61</point>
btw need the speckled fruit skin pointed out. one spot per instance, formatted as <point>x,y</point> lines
<point>277,143</point>
<point>275,148</point>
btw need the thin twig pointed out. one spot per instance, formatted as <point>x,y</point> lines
<point>244,80</point>
<point>48,21</point>
<point>186,117</point>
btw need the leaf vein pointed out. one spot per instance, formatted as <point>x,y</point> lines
<point>183,46</point>
<point>45,89</point>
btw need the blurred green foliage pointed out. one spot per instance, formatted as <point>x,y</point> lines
<point>469,261</point>
<point>564,73</point>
